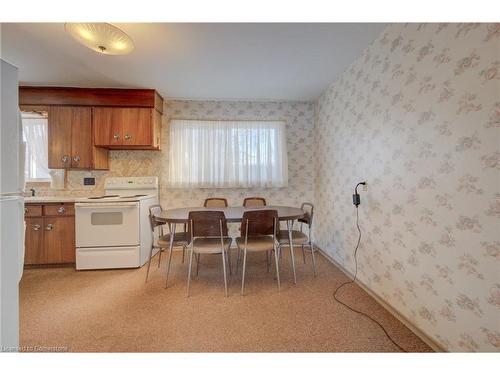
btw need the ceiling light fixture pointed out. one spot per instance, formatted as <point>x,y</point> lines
<point>101,37</point>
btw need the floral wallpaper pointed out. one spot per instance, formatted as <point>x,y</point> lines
<point>299,117</point>
<point>417,116</point>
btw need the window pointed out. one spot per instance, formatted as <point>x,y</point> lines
<point>35,138</point>
<point>227,154</point>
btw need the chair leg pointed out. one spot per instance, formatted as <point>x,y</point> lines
<point>197,264</point>
<point>168,265</point>
<point>159,257</point>
<point>313,258</point>
<point>268,258</point>
<point>224,269</point>
<point>228,254</point>
<point>170,250</point>
<point>292,255</point>
<point>243,275</point>
<point>237,260</point>
<point>149,262</point>
<point>277,268</point>
<point>303,253</point>
<point>189,269</point>
<point>183,253</point>
<point>292,260</point>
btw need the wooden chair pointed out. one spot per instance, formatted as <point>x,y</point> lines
<point>254,202</point>
<point>209,235</point>
<point>299,237</point>
<point>258,233</point>
<point>215,202</point>
<point>162,241</point>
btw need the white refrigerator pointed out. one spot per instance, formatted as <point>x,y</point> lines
<point>11,208</point>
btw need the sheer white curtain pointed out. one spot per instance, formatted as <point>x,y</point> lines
<point>35,136</point>
<point>227,154</point>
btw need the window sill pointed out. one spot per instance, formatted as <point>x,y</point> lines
<point>38,183</point>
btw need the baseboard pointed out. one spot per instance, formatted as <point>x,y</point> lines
<point>417,331</point>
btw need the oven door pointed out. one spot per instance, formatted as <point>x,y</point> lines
<point>107,224</point>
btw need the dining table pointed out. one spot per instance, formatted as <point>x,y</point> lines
<point>234,214</point>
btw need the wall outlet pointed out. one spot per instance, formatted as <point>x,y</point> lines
<point>89,181</point>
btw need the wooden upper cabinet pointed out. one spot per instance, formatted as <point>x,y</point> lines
<point>59,137</point>
<point>126,128</point>
<point>70,139</point>
<point>107,127</point>
<point>137,126</point>
<point>109,118</point>
<point>81,138</point>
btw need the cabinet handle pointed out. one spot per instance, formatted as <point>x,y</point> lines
<point>49,227</point>
<point>116,136</point>
<point>65,159</point>
<point>128,136</point>
<point>76,159</point>
<point>61,210</point>
<point>35,226</point>
<point>25,210</point>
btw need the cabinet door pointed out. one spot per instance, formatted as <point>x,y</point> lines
<point>59,137</point>
<point>107,125</point>
<point>136,126</point>
<point>59,239</point>
<point>34,250</point>
<point>81,138</point>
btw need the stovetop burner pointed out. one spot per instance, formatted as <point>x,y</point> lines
<point>104,196</point>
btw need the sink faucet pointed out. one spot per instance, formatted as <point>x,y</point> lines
<point>32,192</point>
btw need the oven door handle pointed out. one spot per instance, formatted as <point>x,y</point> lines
<point>106,205</point>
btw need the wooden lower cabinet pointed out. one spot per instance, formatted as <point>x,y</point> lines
<point>59,239</point>
<point>34,250</point>
<point>50,238</point>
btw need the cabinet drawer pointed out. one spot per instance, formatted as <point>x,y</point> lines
<point>31,210</point>
<point>59,210</point>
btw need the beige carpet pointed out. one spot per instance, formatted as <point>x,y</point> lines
<point>115,311</point>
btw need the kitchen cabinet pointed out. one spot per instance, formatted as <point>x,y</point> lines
<point>50,237</point>
<point>120,119</point>
<point>59,239</point>
<point>70,144</point>
<point>34,251</point>
<point>126,128</point>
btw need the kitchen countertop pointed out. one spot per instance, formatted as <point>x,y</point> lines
<point>49,199</point>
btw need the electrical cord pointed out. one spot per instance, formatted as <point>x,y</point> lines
<point>354,280</point>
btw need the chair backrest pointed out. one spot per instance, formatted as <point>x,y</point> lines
<point>254,202</point>
<point>309,210</point>
<point>215,202</point>
<point>259,222</point>
<point>206,224</point>
<point>153,211</point>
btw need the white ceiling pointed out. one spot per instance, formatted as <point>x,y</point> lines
<point>195,61</point>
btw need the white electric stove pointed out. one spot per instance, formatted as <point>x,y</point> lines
<point>113,230</point>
